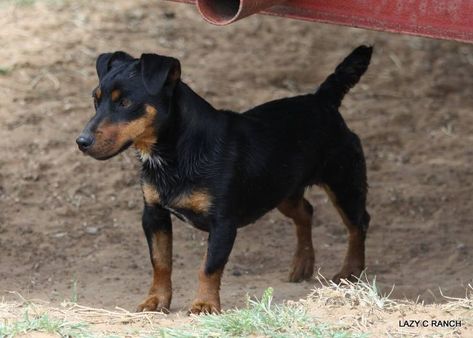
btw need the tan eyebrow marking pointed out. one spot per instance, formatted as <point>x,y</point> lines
<point>115,94</point>
<point>150,109</point>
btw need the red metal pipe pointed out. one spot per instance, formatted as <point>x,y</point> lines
<point>223,12</point>
<point>441,19</point>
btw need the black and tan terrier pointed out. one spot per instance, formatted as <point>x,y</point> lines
<point>220,170</point>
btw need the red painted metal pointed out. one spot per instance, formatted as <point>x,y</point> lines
<point>223,12</point>
<point>443,19</point>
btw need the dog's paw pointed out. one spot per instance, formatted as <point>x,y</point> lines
<point>350,273</point>
<point>200,307</point>
<point>302,267</point>
<point>155,303</point>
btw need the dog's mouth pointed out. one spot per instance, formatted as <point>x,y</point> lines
<point>108,139</point>
<point>105,151</point>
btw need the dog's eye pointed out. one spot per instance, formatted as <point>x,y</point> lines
<point>124,102</point>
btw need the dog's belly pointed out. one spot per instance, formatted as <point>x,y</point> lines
<point>249,211</point>
<point>240,217</point>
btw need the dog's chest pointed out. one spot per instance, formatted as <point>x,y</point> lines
<point>163,185</point>
<point>178,214</point>
<point>189,215</point>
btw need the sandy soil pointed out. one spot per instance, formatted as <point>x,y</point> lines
<point>352,308</point>
<point>67,220</point>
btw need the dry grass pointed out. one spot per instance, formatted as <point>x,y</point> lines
<point>361,308</point>
<point>347,310</point>
<point>74,320</point>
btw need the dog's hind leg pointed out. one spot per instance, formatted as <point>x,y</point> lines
<point>345,184</point>
<point>300,211</point>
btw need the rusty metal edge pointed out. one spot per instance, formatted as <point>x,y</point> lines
<point>303,11</point>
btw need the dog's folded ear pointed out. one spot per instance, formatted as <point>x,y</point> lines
<point>106,61</point>
<point>159,73</point>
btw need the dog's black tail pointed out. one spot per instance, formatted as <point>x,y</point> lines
<point>346,75</point>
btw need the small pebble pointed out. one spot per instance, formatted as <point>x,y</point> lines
<point>91,230</point>
<point>236,273</point>
<point>169,15</point>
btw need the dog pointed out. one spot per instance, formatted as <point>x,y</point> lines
<point>220,170</point>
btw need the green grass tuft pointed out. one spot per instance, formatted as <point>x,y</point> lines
<point>26,3</point>
<point>43,323</point>
<point>19,2</point>
<point>4,71</point>
<point>260,318</point>
<point>74,295</point>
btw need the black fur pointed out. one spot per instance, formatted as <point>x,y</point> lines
<point>248,163</point>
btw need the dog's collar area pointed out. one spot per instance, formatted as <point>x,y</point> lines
<point>143,156</point>
<point>153,160</point>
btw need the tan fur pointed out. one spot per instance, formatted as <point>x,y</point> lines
<point>208,293</point>
<point>115,95</point>
<point>162,250</point>
<point>340,211</point>
<point>199,201</point>
<point>110,137</point>
<point>354,261</point>
<point>98,93</point>
<point>151,110</point>
<point>148,138</point>
<point>304,257</point>
<point>150,194</point>
<point>160,293</point>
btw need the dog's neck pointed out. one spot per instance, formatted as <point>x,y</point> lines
<point>191,107</point>
<point>191,116</point>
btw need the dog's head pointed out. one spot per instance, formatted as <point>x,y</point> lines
<point>132,102</point>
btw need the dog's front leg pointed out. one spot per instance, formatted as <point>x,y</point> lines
<point>220,244</point>
<point>158,230</point>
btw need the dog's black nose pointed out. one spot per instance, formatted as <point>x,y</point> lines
<point>84,142</point>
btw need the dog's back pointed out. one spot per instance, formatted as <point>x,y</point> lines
<point>329,94</point>
<point>305,129</point>
<point>287,145</point>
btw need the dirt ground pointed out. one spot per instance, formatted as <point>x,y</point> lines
<point>70,225</point>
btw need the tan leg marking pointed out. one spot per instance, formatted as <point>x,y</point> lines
<point>354,262</point>
<point>303,262</point>
<point>160,293</point>
<point>208,293</point>
<point>150,194</point>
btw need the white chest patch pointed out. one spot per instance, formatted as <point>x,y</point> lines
<point>154,161</point>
